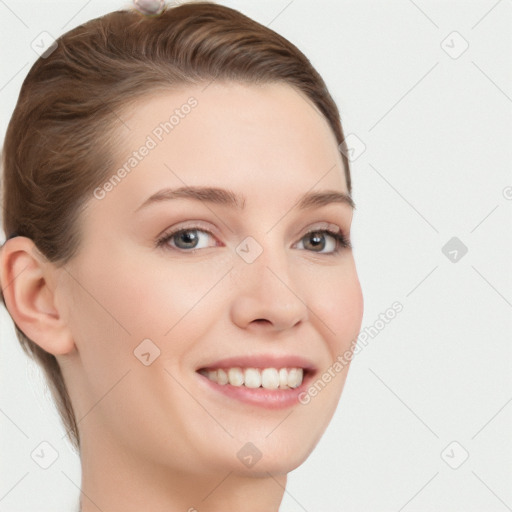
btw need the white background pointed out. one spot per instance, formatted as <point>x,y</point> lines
<point>437,132</point>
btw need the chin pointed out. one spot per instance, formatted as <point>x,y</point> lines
<point>279,455</point>
<point>273,464</point>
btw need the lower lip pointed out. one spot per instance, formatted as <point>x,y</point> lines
<point>266,398</point>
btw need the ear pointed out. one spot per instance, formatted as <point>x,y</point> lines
<point>28,285</point>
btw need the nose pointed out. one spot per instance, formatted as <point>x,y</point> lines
<point>268,294</point>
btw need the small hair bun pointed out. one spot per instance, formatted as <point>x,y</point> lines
<point>149,7</point>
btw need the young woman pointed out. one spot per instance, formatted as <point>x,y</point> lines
<point>177,203</point>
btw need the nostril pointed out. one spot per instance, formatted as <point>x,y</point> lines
<point>262,320</point>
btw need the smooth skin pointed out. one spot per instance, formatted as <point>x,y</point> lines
<point>155,437</point>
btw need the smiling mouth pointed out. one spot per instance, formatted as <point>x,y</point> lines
<point>267,378</point>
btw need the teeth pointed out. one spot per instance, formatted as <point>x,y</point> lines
<point>268,378</point>
<point>295,377</point>
<point>283,378</point>
<point>252,378</point>
<point>235,376</point>
<point>222,377</point>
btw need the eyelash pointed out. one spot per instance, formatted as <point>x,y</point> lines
<point>342,242</point>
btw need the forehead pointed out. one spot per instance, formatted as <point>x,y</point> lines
<point>257,139</point>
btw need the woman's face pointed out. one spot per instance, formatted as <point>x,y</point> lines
<point>245,286</point>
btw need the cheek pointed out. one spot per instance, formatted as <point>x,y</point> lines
<point>173,304</point>
<point>166,296</point>
<point>337,304</point>
<point>148,295</point>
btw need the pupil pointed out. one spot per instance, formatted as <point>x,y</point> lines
<point>317,239</point>
<point>189,237</point>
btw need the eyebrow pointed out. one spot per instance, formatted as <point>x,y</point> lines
<point>228,198</point>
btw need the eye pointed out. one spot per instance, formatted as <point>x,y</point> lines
<point>186,238</point>
<point>320,239</point>
<point>190,239</point>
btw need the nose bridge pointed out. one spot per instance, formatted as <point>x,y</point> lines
<point>266,289</point>
<point>267,261</point>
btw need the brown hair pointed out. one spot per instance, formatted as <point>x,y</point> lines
<point>60,140</point>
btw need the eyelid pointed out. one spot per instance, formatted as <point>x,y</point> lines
<point>319,226</point>
<point>193,224</point>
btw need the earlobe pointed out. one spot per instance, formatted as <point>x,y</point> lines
<point>29,293</point>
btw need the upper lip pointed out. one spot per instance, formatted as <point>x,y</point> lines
<point>261,361</point>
